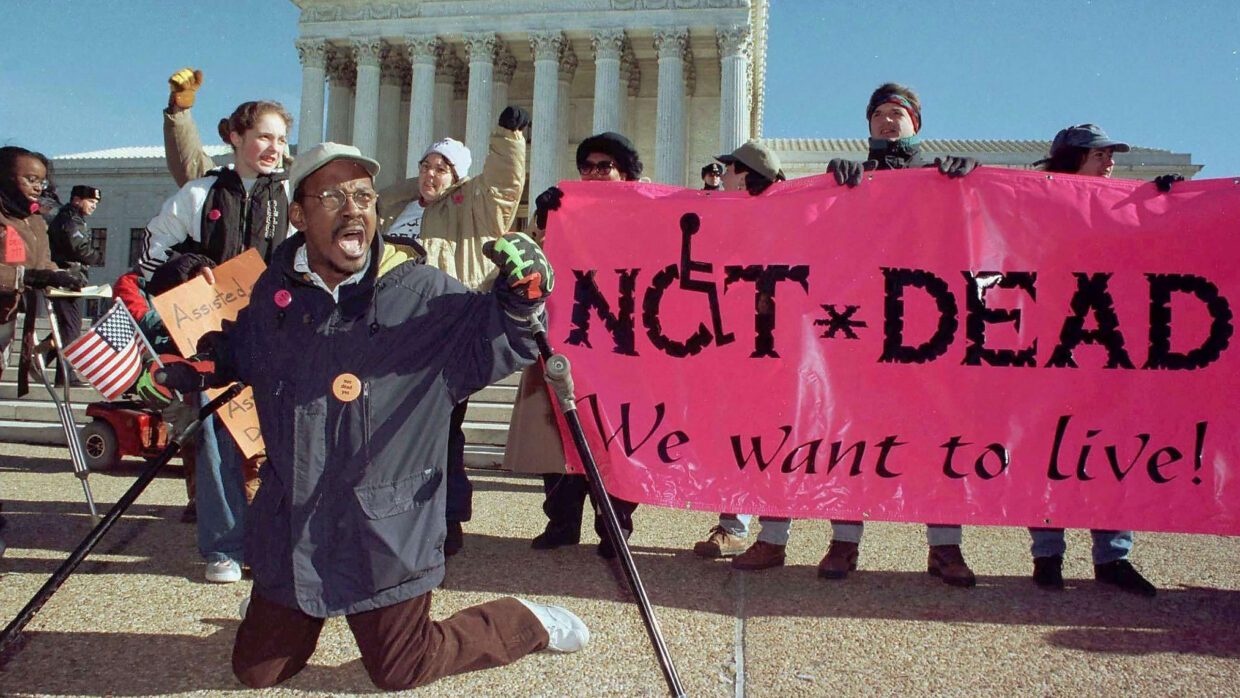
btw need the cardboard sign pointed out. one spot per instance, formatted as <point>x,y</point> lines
<point>195,308</point>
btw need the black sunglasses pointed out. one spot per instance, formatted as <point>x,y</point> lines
<point>601,167</point>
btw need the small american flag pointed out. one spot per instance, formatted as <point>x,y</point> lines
<point>110,355</point>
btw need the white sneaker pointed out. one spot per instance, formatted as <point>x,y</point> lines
<point>223,571</point>
<point>568,632</point>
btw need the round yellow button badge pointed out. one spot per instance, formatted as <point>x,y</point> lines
<point>347,387</point>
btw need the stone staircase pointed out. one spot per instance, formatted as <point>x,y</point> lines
<point>33,419</point>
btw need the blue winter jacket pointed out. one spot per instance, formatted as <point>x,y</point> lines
<point>350,513</point>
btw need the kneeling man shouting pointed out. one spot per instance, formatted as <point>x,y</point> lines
<point>357,354</point>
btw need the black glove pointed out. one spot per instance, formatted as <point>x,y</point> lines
<point>514,118</point>
<point>954,167</point>
<point>846,171</point>
<point>177,270</point>
<point>60,278</point>
<point>210,344</point>
<point>525,276</point>
<point>187,376</point>
<point>1163,182</point>
<point>546,202</point>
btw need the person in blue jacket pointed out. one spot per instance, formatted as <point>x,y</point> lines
<point>357,360</point>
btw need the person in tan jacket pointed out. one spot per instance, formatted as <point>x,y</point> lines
<point>443,211</point>
<point>452,215</point>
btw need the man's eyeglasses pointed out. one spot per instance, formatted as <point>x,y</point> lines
<point>602,167</point>
<point>334,199</point>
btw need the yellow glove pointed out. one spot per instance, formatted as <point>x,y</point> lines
<point>183,84</point>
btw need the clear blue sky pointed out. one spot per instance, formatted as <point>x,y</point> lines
<point>1162,74</point>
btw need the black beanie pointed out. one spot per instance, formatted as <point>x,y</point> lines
<point>618,147</point>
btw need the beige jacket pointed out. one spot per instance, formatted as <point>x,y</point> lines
<point>470,212</point>
<point>183,148</point>
<point>534,444</point>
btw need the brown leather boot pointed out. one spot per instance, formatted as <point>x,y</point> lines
<point>720,543</point>
<point>760,556</point>
<point>947,563</point>
<point>841,558</point>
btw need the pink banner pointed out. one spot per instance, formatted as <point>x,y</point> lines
<point>1005,348</point>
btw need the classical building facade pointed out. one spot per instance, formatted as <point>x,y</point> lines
<point>684,79</point>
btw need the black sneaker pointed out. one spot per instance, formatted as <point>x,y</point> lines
<point>1122,574</point>
<point>455,540</point>
<point>1048,572</point>
<point>555,538</point>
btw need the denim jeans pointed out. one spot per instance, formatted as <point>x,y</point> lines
<point>775,530</point>
<point>219,494</point>
<point>1109,546</point>
<point>936,534</point>
<point>736,524</point>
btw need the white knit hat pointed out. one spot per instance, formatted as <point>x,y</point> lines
<point>454,152</point>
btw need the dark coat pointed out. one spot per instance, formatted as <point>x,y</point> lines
<point>234,220</point>
<point>350,513</point>
<point>894,155</point>
<point>69,238</point>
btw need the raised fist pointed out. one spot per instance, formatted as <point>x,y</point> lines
<point>182,85</point>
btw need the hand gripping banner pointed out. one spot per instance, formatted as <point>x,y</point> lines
<point>1007,348</point>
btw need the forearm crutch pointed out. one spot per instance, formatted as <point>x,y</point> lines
<point>64,408</point>
<point>559,375</point>
<point>14,628</point>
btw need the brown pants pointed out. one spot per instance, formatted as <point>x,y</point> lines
<point>401,646</point>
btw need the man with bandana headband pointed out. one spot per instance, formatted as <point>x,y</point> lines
<point>894,116</point>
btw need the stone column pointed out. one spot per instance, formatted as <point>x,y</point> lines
<point>367,52</point>
<point>445,78</point>
<point>313,56</point>
<point>567,69</point>
<point>669,139</point>
<point>340,76</point>
<point>608,44</point>
<point>424,52</point>
<point>481,48</point>
<point>505,68</point>
<point>389,154</point>
<point>733,95</point>
<point>546,47</point>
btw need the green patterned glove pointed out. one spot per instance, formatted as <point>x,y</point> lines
<point>525,275</point>
<point>152,394</point>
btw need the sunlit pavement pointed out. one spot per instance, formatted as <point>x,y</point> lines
<point>138,619</point>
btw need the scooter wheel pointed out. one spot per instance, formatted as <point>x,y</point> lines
<point>100,445</point>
